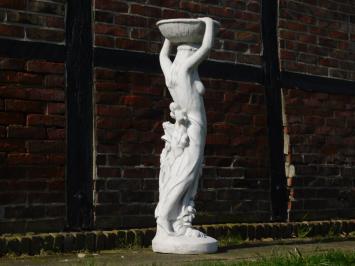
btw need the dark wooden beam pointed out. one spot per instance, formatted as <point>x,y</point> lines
<point>310,83</point>
<point>32,50</point>
<point>140,61</point>
<point>274,109</point>
<point>79,67</point>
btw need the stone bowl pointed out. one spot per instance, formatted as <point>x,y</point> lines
<point>184,30</point>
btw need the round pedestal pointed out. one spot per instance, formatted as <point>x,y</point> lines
<point>184,244</point>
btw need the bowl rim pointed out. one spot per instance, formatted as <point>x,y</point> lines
<point>183,20</point>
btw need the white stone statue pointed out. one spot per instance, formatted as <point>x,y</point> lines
<point>182,157</point>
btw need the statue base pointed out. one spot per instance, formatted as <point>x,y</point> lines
<point>184,244</point>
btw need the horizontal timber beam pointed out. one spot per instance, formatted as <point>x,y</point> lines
<point>291,80</point>
<point>32,50</point>
<point>140,61</point>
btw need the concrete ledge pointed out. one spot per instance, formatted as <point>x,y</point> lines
<point>228,234</point>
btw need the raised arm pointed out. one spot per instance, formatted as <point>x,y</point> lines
<point>164,59</point>
<point>207,43</point>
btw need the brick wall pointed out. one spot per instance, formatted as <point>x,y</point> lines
<point>131,106</point>
<point>321,128</point>
<point>131,25</point>
<point>317,37</point>
<point>33,20</point>
<point>130,109</point>
<point>32,145</point>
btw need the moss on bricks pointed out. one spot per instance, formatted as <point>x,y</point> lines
<point>48,242</point>
<point>229,234</point>
<point>3,247</point>
<point>148,237</point>
<point>80,241</point>
<point>36,244</point>
<point>69,242</point>
<point>58,242</point>
<point>90,241</point>
<point>251,231</point>
<point>110,240</point>
<point>120,238</point>
<point>13,246</point>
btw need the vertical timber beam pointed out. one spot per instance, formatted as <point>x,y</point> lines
<point>271,71</point>
<point>79,66</point>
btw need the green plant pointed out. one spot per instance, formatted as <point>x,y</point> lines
<point>230,240</point>
<point>303,230</point>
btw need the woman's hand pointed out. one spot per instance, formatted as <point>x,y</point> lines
<point>207,20</point>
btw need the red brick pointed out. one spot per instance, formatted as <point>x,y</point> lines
<point>104,41</point>
<point>45,146</point>
<point>102,16</point>
<point>25,18</point>
<point>12,64</point>
<point>13,198</point>
<point>32,93</point>
<point>20,132</point>
<point>108,98</point>
<point>2,131</point>
<point>146,34</point>
<point>114,30</point>
<point>20,77</point>
<point>131,44</point>
<point>253,6</point>
<point>45,67</point>
<point>115,111</point>
<point>131,20</point>
<point>145,10</point>
<point>44,34</point>
<point>13,4</point>
<point>111,5</point>
<point>246,36</point>
<point>55,22</point>
<point>55,133</point>
<point>12,31</point>
<point>45,120</point>
<point>137,101</point>
<point>109,172</point>
<point>328,62</point>
<point>12,145</point>
<point>11,118</point>
<point>111,86</point>
<point>217,139</point>
<point>221,11</point>
<point>110,123</point>
<point>24,106</point>
<point>46,7</point>
<point>56,81</point>
<point>56,108</point>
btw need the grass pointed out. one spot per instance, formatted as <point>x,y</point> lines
<point>294,258</point>
<point>230,240</point>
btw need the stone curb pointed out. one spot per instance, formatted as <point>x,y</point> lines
<point>229,234</point>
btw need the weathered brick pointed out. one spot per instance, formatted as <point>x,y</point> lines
<point>13,4</point>
<point>24,106</point>
<point>12,31</point>
<point>44,34</point>
<point>45,120</point>
<point>45,67</point>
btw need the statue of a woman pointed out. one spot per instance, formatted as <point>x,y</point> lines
<point>182,156</point>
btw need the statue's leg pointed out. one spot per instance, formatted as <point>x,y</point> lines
<point>171,204</point>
